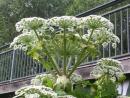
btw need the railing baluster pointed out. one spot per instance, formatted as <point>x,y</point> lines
<point>12,65</point>
<point>0,68</point>
<point>22,63</point>
<point>121,33</point>
<point>115,29</point>
<point>109,46</point>
<point>21,66</point>
<point>128,32</point>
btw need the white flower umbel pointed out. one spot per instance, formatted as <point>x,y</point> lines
<point>95,22</point>
<point>63,23</point>
<point>35,91</point>
<point>66,96</point>
<point>29,24</point>
<point>36,81</point>
<point>108,66</point>
<point>75,78</point>
<point>35,95</point>
<point>104,36</point>
<point>24,41</point>
<point>63,81</point>
<point>40,79</point>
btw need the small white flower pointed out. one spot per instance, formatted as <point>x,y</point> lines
<point>105,44</point>
<point>35,95</point>
<point>114,45</point>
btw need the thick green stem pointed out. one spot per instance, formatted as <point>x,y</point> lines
<point>64,40</point>
<point>48,54</point>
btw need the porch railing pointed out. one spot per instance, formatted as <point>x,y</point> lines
<point>15,64</point>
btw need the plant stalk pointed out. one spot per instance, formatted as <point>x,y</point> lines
<point>48,54</point>
<point>64,40</point>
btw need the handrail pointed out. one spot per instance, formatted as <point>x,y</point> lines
<point>98,8</point>
<point>118,9</point>
<point>4,46</point>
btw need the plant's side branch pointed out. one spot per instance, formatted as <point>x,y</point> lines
<point>48,54</point>
<point>81,59</point>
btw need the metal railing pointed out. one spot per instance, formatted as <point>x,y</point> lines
<point>15,64</point>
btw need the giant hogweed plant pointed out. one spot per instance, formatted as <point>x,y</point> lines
<point>61,44</point>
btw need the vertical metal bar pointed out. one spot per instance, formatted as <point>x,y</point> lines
<point>115,31</point>
<point>0,69</point>
<point>28,66</point>
<point>19,63</point>
<point>103,52</point>
<point>128,35</point>
<point>22,63</point>
<point>109,46</point>
<point>4,67</point>
<point>12,65</point>
<point>32,69</point>
<point>17,68</point>
<point>25,64</point>
<point>3,74</point>
<point>16,64</point>
<point>35,67</point>
<point>7,63</point>
<point>121,33</point>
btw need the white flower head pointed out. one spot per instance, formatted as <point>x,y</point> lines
<point>27,24</point>
<point>35,95</point>
<point>105,66</point>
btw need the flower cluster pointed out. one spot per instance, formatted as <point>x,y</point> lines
<point>35,92</point>
<point>95,22</point>
<point>64,23</point>
<point>108,66</point>
<point>100,27</point>
<point>75,78</point>
<point>24,41</point>
<point>104,37</point>
<point>67,96</point>
<point>35,95</point>
<point>29,24</point>
<point>43,79</point>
